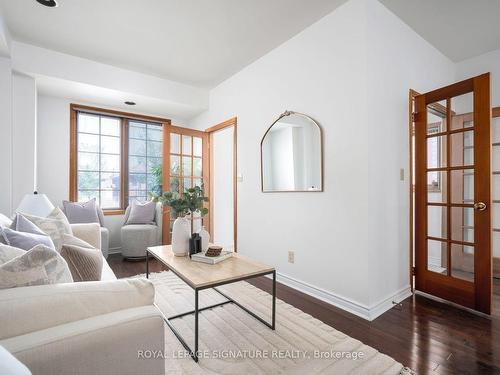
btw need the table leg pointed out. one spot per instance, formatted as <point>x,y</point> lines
<point>147,264</point>
<point>274,301</point>
<point>196,325</point>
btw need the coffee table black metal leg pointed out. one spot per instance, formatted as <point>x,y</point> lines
<point>196,325</point>
<point>274,301</point>
<point>147,264</point>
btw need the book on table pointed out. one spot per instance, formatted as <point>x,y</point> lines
<point>201,257</point>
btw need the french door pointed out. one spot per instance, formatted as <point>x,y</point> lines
<point>453,193</point>
<point>185,165</point>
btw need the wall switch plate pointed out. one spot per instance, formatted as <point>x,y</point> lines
<point>402,174</point>
<point>291,257</point>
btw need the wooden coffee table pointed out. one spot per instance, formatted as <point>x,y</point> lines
<point>201,276</point>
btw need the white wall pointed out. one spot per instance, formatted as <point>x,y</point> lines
<point>223,199</point>
<point>6,135</point>
<point>24,115</point>
<point>348,71</point>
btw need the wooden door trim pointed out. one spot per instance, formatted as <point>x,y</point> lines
<point>210,131</point>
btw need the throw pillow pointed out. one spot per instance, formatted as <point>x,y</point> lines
<point>9,252</point>
<point>21,224</point>
<point>23,240</point>
<point>141,213</point>
<point>59,215</point>
<point>54,228</point>
<point>75,241</point>
<point>37,266</point>
<point>85,264</point>
<point>81,212</point>
<point>5,221</point>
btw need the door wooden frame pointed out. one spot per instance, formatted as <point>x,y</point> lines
<point>476,295</point>
<point>210,131</point>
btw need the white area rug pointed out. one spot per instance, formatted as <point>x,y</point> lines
<point>236,343</point>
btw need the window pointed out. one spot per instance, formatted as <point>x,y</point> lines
<point>144,159</point>
<point>115,157</point>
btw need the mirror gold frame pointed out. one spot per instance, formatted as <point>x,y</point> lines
<point>285,114</point>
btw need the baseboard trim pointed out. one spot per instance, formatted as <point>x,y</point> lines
<point>366,312</point>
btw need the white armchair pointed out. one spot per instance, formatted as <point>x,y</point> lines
<point>137,237</point>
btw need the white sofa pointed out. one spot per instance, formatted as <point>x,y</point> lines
<point>84,328</point>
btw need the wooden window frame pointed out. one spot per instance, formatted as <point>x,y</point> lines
<point>125,117</point>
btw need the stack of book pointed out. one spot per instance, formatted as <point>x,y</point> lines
<point>201,257</point>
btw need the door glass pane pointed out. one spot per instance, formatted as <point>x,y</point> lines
<point>496,187</point>
<point>462,262</point>
<point>436,117</point>
<point>175,184</point>
<point>462,148</point>
<point>496,129</point>
<point>462,186</point>
<point>197,146</point>
<point>437,258</point>
<point>187,183</point>
<point>198,182</point>
<point>462,111</point>
<point>462,224</point>
<point>436,221</point>
<point>186,165</point>
<point>197,166</point>
<point>174,165</point>
<point>436,187</point>
<point>186,145</point>
<point>496,158</point>
<point>175,143</point>
<point>436,152</point>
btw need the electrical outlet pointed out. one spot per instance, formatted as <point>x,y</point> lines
<point>402,174</point>
<point>291,257</point>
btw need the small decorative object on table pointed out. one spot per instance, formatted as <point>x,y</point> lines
<point>213,251</point>
<point>194,244</point>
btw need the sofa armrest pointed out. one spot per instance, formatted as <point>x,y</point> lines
<point>90,233</point>
<point>104,344</point>
<point>28,309</point>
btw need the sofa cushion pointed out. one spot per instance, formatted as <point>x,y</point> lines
<point>9,252</point>
<point>84,263</point>
<point>81,212</point>
<point>53,227</point>
<point>38,266</point>
<point>141,213</point>
<point>24,240</point>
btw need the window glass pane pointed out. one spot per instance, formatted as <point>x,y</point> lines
<point>88,142</point>
<point>154,148</point>
<point>137,181</point>
<point>110,199</point>
<point>137,147</point>
<point>88,123</point>
<point>153,163</point>
<point>175,143</point>
<point>186,165</point>
<point>88,162</point>
<point>110,163</point>
<point>197,146</point>
<point>110,181</point>
<point>197,166</point>
<point>155,133</point>
<point>137,164</point>
<point>87,195</point>
<point>110,145</point>
<point>137,130</point>
<point>110,126</point>
<point>88,180</point>
<point>174,165</point>
<point>186,145</point>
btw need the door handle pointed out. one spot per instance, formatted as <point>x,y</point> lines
<point>480,206</point>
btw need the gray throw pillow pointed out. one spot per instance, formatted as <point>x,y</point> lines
<point>21,224</point>
<point>141,213</point>
<point>24,240</point>
<point>54,228</point>
<point>84,263</point>
<point>37,266</point>
<point>81,212</point>
<point>9,252</point>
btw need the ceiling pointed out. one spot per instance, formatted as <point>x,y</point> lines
<point>460,29</point>
<point>198,42</point>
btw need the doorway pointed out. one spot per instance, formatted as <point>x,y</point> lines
<point>452,196</point>
<point>223,183</point>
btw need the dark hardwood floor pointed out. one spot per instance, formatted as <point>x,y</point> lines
<point>426,335</point>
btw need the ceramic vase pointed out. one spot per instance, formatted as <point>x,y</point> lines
<point>181,232</point>
<point>205,238</point>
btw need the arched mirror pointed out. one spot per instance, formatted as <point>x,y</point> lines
<point>292,154</point>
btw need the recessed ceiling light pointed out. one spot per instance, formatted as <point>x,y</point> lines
<point>48,3</point>
<point>130,103</point>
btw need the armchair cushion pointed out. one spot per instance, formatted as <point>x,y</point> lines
<point>140,213</point>
<point>81,212</point>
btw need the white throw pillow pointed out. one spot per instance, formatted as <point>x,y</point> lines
<point>9,252</point>
<point>38,266</point>
<point>54,228</point>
